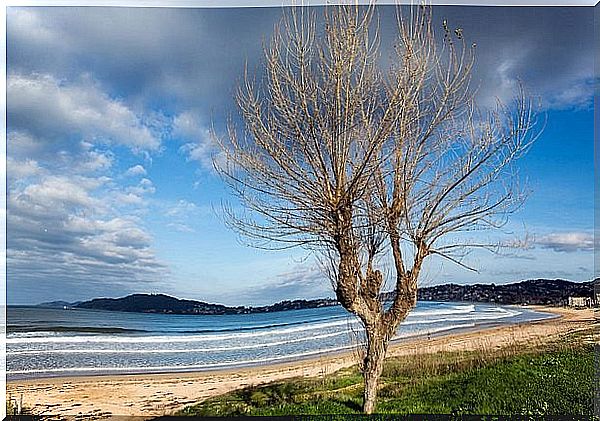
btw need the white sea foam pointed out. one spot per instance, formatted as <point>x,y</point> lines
<point>459,309</point>
<point>175,351</point>
<point>190,367</point>
<point>182,338</point>
<point>499,313</point>
<point>185,367</point>
<point>475,317</point>
<point>435,330</point>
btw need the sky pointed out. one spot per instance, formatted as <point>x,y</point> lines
<point>110,185</point>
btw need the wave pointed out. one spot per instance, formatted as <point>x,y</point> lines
<point>474,317</point>
<point>18,329</point>
<point>171,338</point>
<point>134,369</point>
<point>83,329</point>
<point>500,314</point>
<point>222,349</point>
<point>185,367</point>
<point>458,309</point>
<point>257,327</point>
<point>174,351</point>
<point>434,330</point>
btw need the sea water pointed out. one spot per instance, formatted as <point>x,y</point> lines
<point>55,342</point>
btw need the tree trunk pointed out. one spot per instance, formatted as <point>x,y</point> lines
<point>377,343</point>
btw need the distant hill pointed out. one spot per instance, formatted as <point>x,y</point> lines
<point>536,291</point>
<point>160,303</point>
<point>58,304</point>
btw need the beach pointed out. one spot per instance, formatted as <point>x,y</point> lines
<point>159,394</point>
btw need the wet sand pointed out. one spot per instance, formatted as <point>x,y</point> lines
<point>93,397</point>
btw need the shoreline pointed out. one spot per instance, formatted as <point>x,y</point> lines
<point>155,394</point>
<point>285,360</point>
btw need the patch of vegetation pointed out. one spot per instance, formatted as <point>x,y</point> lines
<point>551,379</point>
<point>13,407</point>
<point>552,383</point>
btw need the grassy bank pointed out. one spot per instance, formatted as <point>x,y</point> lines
<point>538,379</point>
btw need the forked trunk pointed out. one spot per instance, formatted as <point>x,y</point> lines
<point>377,343</point>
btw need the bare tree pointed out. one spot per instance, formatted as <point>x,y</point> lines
<point>362,163</point>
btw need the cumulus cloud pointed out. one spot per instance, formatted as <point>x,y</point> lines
<point>63,228</point>
<point>567,242</point>
<point>136,170</point>
<point>46,109</point>
<point>145,186</point>
<point>66,219</point>
<point>182,208</point>
<point>18,170</point>
<point>95,161</point>
<point>198,142</point>
<point>182,215</point>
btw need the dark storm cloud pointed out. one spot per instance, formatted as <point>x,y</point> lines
<point>194,57</point>
<point>188,62</point>
<point>180,57</point>
<point>550,49</point>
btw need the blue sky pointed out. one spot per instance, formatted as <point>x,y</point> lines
<point>110,185</point>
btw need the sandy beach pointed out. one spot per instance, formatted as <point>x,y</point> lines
<point>160,394</point>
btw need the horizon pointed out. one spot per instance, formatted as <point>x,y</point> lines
<point>96,209</point>
<point>280,301</point>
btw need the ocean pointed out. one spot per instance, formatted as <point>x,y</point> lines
<point>55,342</point>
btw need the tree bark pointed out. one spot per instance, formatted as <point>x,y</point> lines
<point>377,342</point>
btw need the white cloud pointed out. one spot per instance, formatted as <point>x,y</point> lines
<point>199,144</point>
<point>67,227</point>
<point>146,183</point>
<point>54,112</point>
<point>27,25</point>
<point>136,170</point>
<point>94,161</point>
<point>68,221</point>
<point>128,199</point>
<point>22,144</point>
<point>180,227</point>
<point>577,93</point>
<point>181,216</point>
<point>145,186</point>
<point>187,125</point>
<point>182,208</point>
<point>58,192</point>
<point>22,169</point>
<point>66,216</point>
<point>567,242</point>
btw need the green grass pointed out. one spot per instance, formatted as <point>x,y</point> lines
<point>559,382</point>
<point>541,380</point>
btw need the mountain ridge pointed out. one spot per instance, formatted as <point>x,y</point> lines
<point>535,291</point>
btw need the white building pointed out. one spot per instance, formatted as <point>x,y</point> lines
<point>580,302</point>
